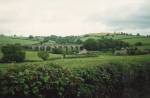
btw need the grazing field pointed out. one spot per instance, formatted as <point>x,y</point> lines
<point>32,56</point>
<point>9,40</point>
<point>86,62</point>
<point>102,60</point>
<point>145,41</point>
<point>112,36</point>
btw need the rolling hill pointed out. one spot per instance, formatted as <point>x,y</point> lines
<point>10,40</point>
<point>108,36</point>
<point>131,39</point>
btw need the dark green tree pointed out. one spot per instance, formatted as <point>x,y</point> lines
<point>43,55</point>
<point>13,53</point>
<point>90,44</point>
<point>138,44</point>
<point>31,37</point>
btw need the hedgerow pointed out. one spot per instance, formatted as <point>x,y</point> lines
<point>53,81</point>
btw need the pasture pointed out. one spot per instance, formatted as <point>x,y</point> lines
<point>145,41</point>
<point>10,40</point>
<point>111,36</point>
<point>85,62</point>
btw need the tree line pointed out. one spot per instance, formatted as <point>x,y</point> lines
<point>104,44</point>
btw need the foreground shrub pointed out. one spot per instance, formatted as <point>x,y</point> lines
<point>12,53</point>
<point>37,81</point>
<point>112,80</point>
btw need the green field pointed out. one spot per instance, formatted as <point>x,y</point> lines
<point>10,40</point>
<point>32,58</point>
<point>113,36</point>
<point>145,41</point>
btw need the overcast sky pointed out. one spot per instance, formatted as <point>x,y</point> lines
<point>73,17</point>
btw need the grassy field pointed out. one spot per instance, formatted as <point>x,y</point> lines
<point>145,41</point>
<point>102,59</point>
<point>120,37</point>
<point>71,63</point>
<point>32,56</point>
<point>9,40</point>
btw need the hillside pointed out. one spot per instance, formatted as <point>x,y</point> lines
<point>10,40</point>
<point>144,41</point>
<point>108,36</point>
<point>131,39</point>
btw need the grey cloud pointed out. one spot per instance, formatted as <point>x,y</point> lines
<point>136,20</point>
<point>78,16</point>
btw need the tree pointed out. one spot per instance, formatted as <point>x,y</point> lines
<point>57,51</point>
<point>138,44</point>
<point>13,53</point>
<point>104,44</point>
<point>31,37</point>
<point>90,44</point>
<point>43,55</point>
<point>138,34</point>
<point>78,41</point>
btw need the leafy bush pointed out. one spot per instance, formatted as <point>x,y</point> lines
<point>138,44</point>
<point>113,80</point>
<point>136,51</point>
<point>57,51</point>
<point>13,53</point>
<point>43,55</point>
<point>82,55</point>
<point>31,81</point>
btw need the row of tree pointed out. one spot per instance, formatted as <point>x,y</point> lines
<point>105,44</point>
<point>60,39</point>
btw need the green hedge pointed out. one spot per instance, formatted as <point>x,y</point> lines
<point>52,81</point>
<point>82,55</point>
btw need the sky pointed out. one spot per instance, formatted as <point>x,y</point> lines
<point>73,17</point>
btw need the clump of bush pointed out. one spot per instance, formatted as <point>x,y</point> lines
<point>112,80</point>
<point>81,55</point>
<point>12,53</point>
<point>57,51</point>
<point>136,51</point>
<point>43,55</point>
<point>132,51</point>
<point>138,44</point>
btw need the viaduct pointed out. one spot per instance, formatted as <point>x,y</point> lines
<point>51,47</point>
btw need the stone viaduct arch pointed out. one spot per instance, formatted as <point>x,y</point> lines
<point>51,47</point>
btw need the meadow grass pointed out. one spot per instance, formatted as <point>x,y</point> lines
<point>145,41</point>
<point>71,63</point>
<point>9,40</point>
<point>32,56</point>
<point>115,37</point>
